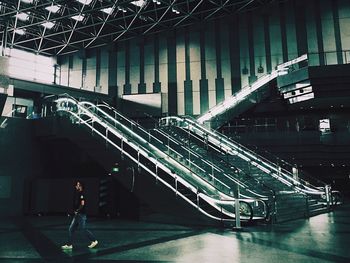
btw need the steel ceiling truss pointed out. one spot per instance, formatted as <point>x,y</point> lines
<point>23,21</point>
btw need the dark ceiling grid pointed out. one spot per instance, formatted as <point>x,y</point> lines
<point>98,28</point>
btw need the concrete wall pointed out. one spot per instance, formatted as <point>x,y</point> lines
<point>200,65</point>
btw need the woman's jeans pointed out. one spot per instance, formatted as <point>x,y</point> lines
<point>79,220</point>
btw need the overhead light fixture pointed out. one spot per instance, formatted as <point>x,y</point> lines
<point>20,31</point>
<point>175,10</point>
<point>22,16</point>
<point>27,1</point>
<point>48,25</point>
<point>78,17</point>
<point>139,3</point>
<point>122,9</point>
<point>108,10</point>
<point>143,18</point>
<point>84,2</point>
<point>53,8</point>
<point>157,2</point>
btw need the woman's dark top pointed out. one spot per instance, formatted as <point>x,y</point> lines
<point>78,197</point>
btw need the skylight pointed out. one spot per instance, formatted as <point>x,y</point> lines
<point>48,25</point>
<point>22,16</point>
<point>108,10</point>
<point>85,2</point>
<point>78,17</point>
<point>139,3</point>
<point>20,31</point>
<point>53,8</point>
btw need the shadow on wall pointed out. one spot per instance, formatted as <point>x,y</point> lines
<point>55,196</point>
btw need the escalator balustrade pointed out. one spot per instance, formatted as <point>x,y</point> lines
<point>186,178</point>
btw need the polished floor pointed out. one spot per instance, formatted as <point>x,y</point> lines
<point>323,238</point>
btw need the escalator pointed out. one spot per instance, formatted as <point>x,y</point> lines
<point>210,192</point>
<point>217,177</point>
<point>247,97</point>
<point>295,197</point>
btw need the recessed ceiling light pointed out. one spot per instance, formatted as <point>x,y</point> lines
<point>84,2</point>
<point>108,10</point>
<point>175,10</point>
<point>122,9</point>
<point>48,25</point>
<point>20,31</point>
<point>139,3</point>
<point>53,8</point>
<point>22,16</point>
<point>78,17</point>
<point>27,1</point>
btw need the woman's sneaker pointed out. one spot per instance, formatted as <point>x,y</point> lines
<point>67,247</point>
<point>93,244</point>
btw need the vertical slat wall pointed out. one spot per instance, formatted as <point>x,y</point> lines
<point>198,66</point>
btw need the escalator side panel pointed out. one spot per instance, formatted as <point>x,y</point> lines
<point>166,177</point>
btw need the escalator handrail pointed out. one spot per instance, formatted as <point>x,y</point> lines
<point>261,160</point>
<point>228,145</point>
<point>176,177</point>
<point>168,137</point>
<point>143,130</point>
<point>240,170</point>
<point>92,105</point>
<point>248,90</point>
<point>184,182</point>
<point>227,104</point>
<point>235,180</point>
<point>126,128</point>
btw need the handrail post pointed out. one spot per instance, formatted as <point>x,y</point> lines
<point>106,137</point>
<point>197,194</point>
<point>279,170</point>
<point>273,208</point>
<point>237,209</point>
<point>189,148</point>
<point>307,212</point>
<point>328,195</point>
<point>168,145</point>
